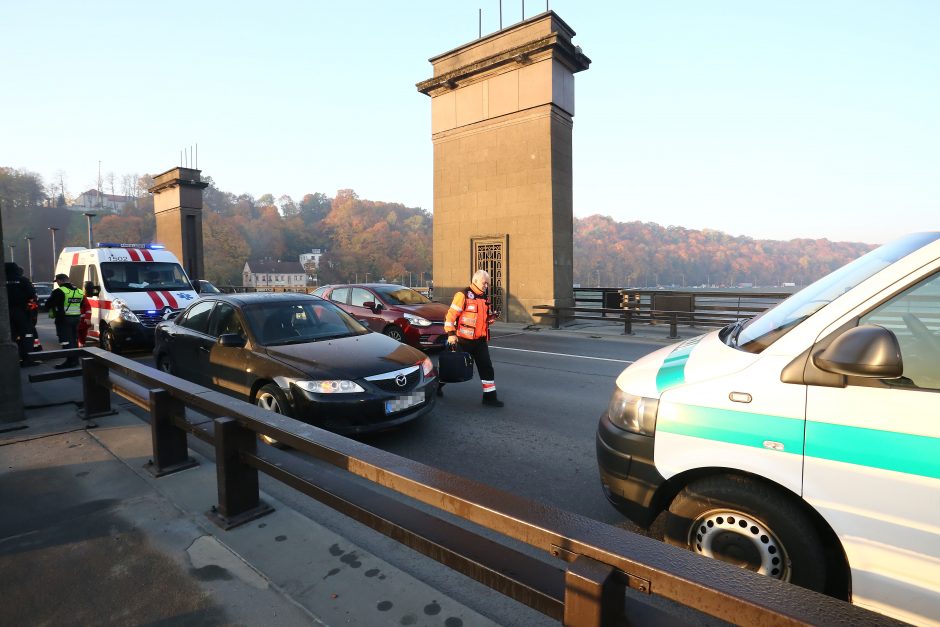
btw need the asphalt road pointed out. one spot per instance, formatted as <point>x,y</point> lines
<point>540,445</point>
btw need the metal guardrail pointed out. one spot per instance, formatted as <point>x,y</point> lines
<point>585,584</point>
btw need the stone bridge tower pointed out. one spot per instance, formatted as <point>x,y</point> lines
<point>177,204</point>
<point>501,123</point>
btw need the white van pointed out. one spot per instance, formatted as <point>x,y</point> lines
<point>130,288</point>
<point>804,443</point>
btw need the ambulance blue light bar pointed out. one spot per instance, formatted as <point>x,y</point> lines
<point>116,245</point>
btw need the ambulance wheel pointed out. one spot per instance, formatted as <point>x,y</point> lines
<point>395,333</point>
<point>107,341</point>
<point>271,397</point>
<point>747,523</point>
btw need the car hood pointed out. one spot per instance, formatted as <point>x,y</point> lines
<point>434,312</point>
<point>348,357</point>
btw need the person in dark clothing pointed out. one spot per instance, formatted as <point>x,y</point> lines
<point>65,307</point>
<point>20,293</point>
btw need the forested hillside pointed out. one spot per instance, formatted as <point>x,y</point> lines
<point>368,239</point>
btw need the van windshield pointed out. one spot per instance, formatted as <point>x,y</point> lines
<point>143,276</point>
<point>758,333</point>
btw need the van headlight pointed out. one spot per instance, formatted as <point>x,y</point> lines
<point>417,321</point>
<point>119,309</point>
<point>633,413</point>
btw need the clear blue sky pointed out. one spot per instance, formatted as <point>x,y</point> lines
<point>815,118</point>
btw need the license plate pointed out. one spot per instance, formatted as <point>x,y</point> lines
<point>403,402</point>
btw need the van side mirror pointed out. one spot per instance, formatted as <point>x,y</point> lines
<point>231,340</point>
<point>868,350</point>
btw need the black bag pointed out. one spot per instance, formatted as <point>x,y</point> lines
<point>455,366</point>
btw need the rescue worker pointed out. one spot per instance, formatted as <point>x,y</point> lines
<point>467,325</point>
<point>20,293</point>
<point>65,306</point>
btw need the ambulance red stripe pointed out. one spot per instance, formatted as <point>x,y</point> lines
<point>170,300</point>
<point>146,254</point>
<point>133,253</point>
<point>75,259</point>
<point>157,301</point>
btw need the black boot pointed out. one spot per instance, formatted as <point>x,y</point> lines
<point>440,389</point>
<point>489,398</point>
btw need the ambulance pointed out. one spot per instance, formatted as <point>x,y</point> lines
<point>804,443</point>
<point>130,287</point>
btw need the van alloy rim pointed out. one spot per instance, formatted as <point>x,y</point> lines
<point>741,540</point>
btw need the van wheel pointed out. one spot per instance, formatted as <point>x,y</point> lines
<point>395,333</point>
<point>748,524</point>
<point>271,397</point>
<point>107,341</point>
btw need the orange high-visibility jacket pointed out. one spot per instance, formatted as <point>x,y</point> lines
<point>469,315</point>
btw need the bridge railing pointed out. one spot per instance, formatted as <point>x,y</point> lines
<point>587,567</point>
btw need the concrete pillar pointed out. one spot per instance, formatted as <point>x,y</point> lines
<point>502,112</point>
<point>177,204</point>
<point>11,393</point>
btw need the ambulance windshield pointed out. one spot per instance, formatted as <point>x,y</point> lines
<point>143,276</point>
<point>762,331</point>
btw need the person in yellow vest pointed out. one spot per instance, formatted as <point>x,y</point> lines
<point>467,324</point>
<point>65,305</point>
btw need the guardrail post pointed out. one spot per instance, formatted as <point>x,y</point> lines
<point>673,326</point>
<point>556,321</point>
<point>96,396</point>
<point>594,594</point>
<point>239,500</point>
<point>627,322</point>
<point>170,450</point>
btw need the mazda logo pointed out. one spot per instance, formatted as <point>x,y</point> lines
<point>401,380</point>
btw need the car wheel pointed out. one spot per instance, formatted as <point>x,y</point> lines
<point>163,364</point>
<point>107,341</point>
<point>271,397</point>
<point>748,524</point>
<point>395,332</point>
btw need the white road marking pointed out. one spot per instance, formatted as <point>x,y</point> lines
<point>523,350</point>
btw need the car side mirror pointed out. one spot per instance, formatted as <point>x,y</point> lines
<point>868,350</point>
<point>170,315</point>
<point>231,340</point>
<point>374,306</point>
<point>195,285</point>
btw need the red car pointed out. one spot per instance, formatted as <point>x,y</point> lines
<point>395,310</point>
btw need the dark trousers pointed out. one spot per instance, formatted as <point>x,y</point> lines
<point>21,329</point>
<point>66,327</point>
<point>481,356</point>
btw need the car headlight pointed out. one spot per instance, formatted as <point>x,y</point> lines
<point>427,366</point>
<point>633,413</point>
<point>119,309</point>
<point>330,386</point>
<point>417,321</point>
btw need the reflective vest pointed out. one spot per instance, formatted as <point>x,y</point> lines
<point>72,306</point>
<point>469,315</point>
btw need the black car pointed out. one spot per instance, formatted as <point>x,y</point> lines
<point>43,292</point>
<point>298,355</point>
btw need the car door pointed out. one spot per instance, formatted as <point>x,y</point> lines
<point>358,298</point>
<point>188,358</point>
<point>226,366</point>
<point>872,460</point>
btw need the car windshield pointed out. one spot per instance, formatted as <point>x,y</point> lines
<point>143,276</point>
<point>400,295</point>
<point>295,322</point>
<point>208,288</point>
<point>758,333</point>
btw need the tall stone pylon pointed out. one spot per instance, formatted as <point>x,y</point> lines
<point>177,205</point>
<point>502,111</point>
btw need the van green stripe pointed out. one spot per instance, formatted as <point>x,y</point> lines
<point>735,427</point>
<point>887,450</point>
<point>672,372</point>
<point>899,452</point>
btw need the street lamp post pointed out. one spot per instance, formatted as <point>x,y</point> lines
<point>55,254</point>
<point>29,254</point>
<point>12,256</point>
<point>90,215</point>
